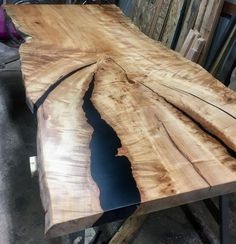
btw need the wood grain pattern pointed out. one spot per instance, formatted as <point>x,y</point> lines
<point>66,176</point>
<point>114,106</point>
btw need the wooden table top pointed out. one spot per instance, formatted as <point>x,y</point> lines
<point>125,126</point>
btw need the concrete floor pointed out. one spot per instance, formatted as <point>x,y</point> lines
<point>21,213</point>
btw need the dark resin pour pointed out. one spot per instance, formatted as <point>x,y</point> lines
<point>112,174</point>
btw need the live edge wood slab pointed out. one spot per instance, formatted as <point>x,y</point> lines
<point>125,126</point>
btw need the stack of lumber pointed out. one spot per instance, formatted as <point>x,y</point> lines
<point>151,17</point>
<point>159,19</point>
<point>193,46</point>
<point>125,125</point>
<point>205,25</point>
<point>222,62</point>
<point>223,56</point>
<point>186,26</point>
<point>188,23</point>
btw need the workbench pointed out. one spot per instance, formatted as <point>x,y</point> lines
<point>125,125</point>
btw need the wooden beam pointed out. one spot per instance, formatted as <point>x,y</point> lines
<point>127,231</point>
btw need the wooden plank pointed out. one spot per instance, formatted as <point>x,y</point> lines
<point>223,52</point>
<point>161,20</point>
<point>222,41</point>
<point>124,124</point>
<point>197,41</point>
<point>172,19</point>
<point>127,231</point>
<point>155,17</point>
<point>165,23</point>
<point>229,65</point>
<point>194,53</point>
<point>188,22</point>
<point>201,14</point>
<point>188,42</point>
<point>143,13</point>
<point>206,24</point>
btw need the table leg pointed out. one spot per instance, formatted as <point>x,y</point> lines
<point>224,219</point>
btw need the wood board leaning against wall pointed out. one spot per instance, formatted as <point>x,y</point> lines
<point>125,126</point>
<point>172,23</point>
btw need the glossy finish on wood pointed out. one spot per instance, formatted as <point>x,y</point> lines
<point>125,126</point>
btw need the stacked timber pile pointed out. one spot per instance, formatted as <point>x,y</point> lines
<point>193,46</point>
<point>185,26</point>
<point>157,19</point>
<point>204,27</point>
<point>125,125</point>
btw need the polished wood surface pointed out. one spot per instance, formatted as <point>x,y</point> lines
<point>125,126</point>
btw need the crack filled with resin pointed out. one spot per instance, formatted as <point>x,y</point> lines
<point>112,174</point>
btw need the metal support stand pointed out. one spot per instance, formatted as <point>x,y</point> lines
<point>224,219</point>
<point>221,215</point>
